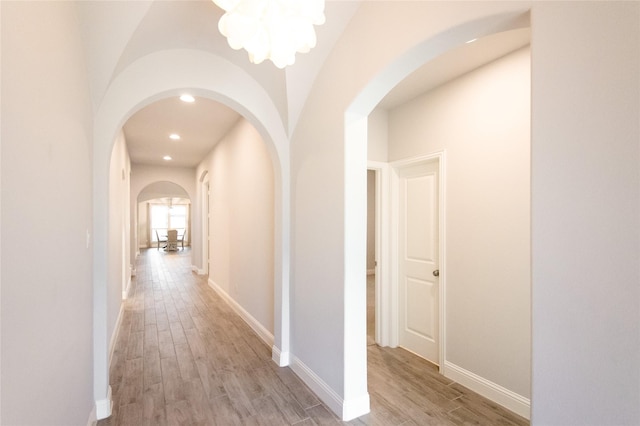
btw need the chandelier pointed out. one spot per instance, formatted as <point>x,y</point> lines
<point>271,29</point>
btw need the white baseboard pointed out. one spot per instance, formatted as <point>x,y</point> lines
<point>283,359</point>
<point>125,292</point>
<point>262,332</point>
<point>116,333</point>
<point>498,394</point>
<point>317,385</point>
<point>197,270</point>
<point>356,407</point>
<point>346,410</point>
<point>104,406</point>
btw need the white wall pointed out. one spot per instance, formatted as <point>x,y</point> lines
<point>241,211</point>
<point>46,215</point>
<point>482,122</point>
<point>586,213</point>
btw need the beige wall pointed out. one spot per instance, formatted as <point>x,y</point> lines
<point>586,213</point>
<point>482,122</point>
<point>241,212</point>
<point>47,298</point>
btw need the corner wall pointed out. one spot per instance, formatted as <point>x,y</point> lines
<point>47,317</point>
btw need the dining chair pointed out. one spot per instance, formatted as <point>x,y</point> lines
<point>163,241</point>
<point>181,238</point>
<point>172,240</point>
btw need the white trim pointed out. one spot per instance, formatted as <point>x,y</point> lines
<point>197,270</point>
<point>283,359</point>
<point>125,292</point>
<point>205,206</point>
<point>104,406</point>
<point>355,407</point>
<point>383,298</point>
<point>116,333</point>
<point>503,396</point>
<point>255,325</point>
<point>347,410</point>
<point>440,157</point>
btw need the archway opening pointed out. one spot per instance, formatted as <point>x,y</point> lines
<point>212,78</point>
<point>162,206</point>
<point>357,134</point>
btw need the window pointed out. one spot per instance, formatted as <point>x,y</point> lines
<point>164,217</point>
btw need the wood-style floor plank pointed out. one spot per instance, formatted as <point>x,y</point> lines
<point>183,357</point>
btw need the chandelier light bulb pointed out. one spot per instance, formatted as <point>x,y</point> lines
<point>271,29</point>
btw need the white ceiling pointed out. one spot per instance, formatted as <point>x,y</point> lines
<point>203,123</point>
<point>200,124</point>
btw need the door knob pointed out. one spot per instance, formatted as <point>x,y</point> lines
<point>436,272</point>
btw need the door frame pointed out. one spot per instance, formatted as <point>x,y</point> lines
<point>204,216</point>
<point>393,286</point>
<point>383,297</point>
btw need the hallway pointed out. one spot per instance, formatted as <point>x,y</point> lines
<point>183,357</point>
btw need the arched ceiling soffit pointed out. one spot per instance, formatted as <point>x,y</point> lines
<point>116,34</point>
<point>102,45</point>
<point>163,189</point>
<point>194,25</point>
<point>444,53</point>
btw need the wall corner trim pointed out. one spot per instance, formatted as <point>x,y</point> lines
<point>355,407</point>
<point>503,396</point>
<point>317,385</point>
<point>197,270</point>
<point>104,406</point>
<point>255,325</point>
<point>347,410</point>
<point>115,334</point>
<point>282,359</point>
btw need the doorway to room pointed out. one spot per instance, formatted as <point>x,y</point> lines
<point>403,255</point>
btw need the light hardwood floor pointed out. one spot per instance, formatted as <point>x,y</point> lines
<point>183,357</point>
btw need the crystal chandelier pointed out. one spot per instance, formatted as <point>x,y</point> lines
<point>271,29</point>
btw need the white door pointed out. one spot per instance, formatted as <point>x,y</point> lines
<point>418,260</point>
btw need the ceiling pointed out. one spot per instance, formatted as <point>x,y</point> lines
<point>199,124</point>
<point>203,123</point>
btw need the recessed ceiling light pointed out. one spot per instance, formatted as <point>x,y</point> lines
<point>167,158</point>
<point>472,40</point>
<point>174,136</point>
<point>187,98</point>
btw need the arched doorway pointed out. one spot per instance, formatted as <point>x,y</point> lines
<point>356,131</point>
<point>208,76</point>
<point>160,206</point>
